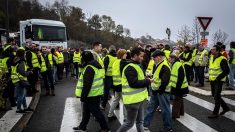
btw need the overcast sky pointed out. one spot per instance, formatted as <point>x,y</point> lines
<point>154,16</point>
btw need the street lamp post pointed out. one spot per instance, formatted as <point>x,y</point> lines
<point>7,20</point>
<point>168,32</point>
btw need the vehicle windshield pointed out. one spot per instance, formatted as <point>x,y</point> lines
<point>48,33</point>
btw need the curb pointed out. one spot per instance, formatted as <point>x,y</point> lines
<point>22,123</point>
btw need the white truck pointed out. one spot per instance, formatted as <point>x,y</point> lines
<point>45,33</point>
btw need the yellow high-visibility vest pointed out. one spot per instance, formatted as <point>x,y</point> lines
<point>215,69</point>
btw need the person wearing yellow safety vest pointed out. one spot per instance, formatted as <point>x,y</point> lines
<point>201,61</point>
<point>167,51</point>
<point>134,91</point>
<point>117,83</point>
<point>6,61</point>
<point>108,81</point>
<point>194,50</point>
<point>90,89</point>
<point>179,86</point>
<point>186,59</point>
<point>19,78</point>
<point>77,61</point>
<point>60,66</point>
<point>231,66</point>
<point>53,60</point>
<point>218,70</point>
<point>34,66</point>
<point>66,56</point>
<point>97,48</point>
<point>160,92</point>
<point>46,64</point>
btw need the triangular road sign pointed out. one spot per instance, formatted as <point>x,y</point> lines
<point>204,22</point>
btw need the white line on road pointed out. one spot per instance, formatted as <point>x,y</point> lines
<point>208,105</point>
<point>72,114</point>
<point>8,121</point>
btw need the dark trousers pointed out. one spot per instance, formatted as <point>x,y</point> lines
<point>108,84</point>
<point>60,68</point>
<point>216,88</point>
<point>33,78</point>
<point>48,79</point>
<point>76,69</point>
<point>200,74</point>
<point>66,66</point>
<point>10,92</point>
<point>92,107</point>
<point>188,72</point>
<point>178,107</point>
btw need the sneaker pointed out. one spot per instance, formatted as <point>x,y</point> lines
<point>102,108</point>
<point>224,111</point>
<point>213,116</point>
<point>166,130</point>
<point>78,129</point>
<point>146,128</point>
<point>20,111</point>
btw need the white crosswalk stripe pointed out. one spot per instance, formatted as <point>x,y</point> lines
<point>72,115</point>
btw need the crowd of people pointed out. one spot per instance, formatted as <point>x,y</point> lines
<point>152,74</point>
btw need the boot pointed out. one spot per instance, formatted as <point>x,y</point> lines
<point>52,92</point>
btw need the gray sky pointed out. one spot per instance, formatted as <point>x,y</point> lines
<point>154,16</point>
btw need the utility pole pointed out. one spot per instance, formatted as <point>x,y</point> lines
<point>7,20</point>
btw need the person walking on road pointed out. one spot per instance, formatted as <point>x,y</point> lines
<point>231,66</point>
<point>218,70</point>
<point>160,92</point>
<point>134,91</point>
<point>90,88</point>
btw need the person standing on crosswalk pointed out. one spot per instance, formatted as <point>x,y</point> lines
<point>90,88</point>
<point>160,92</point>
<point>179,86</point>
<point>134,91</point>
<point>218,70</point>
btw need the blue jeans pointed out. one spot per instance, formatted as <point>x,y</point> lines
<point>164,101</point>
<point>20,96</point>
<point>231,75</point>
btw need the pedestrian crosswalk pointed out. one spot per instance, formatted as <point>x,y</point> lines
<point>195,118</point>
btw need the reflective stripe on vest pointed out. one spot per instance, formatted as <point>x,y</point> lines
<point>97,87</point>
<point>200,59</point>
<point>16,77</point>
<point>110,65</point>
<point>174,76</point>
<point>43,64</point>
<point>116,74</point>
<point>149,70</point>
<point>133,95</point>
<point>215,69</point>
<point>99,59</point>
<point>76,57</point>
<point>35,62</point>
<point>157,81</point>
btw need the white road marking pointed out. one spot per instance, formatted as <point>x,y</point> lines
<point>208,105</point>
<point>8,121</point>
<point>72,114</point>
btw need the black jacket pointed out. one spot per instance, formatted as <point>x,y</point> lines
<point>164,75</point>
<point>88,77</point>
<point>177,90</point>
<point>132,77</point>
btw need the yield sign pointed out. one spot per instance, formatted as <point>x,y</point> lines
<point>204,22</point>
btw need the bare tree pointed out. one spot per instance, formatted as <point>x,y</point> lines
<point>219,36</point>
<point>185,34</point>
<point>127,32</point>
<point>196,29</point>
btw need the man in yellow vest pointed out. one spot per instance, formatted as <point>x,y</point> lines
<point>108,81</point>
<point>134,91</point>
<point>90,88</point>
<point>34,66</point>
<point>231,66</point>
<point>160,92</point>
<point>60,66</point>
<point>218,70</point>
<point>179,86</point>
<point>97,48</point>
<point>76,61</point>
<point>201,61</point>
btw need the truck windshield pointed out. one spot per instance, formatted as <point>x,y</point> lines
<point>48,33</point>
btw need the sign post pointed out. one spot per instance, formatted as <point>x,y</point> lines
<point>204,22</point>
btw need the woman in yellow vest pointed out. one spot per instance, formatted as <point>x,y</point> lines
<point>76,61</point>
<point>179,86</point>
<point>90,88</point>
<point>117,82</point>
<point>19,78</point>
